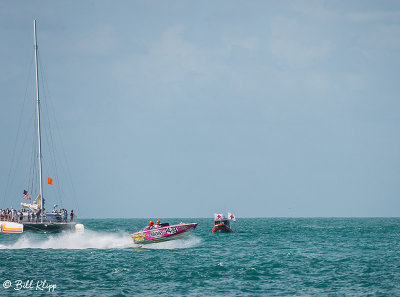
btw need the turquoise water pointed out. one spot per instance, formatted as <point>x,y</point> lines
<point>271,257</point>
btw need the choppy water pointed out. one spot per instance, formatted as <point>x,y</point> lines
<point>271,257</point>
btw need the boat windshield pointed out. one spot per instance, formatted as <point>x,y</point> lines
<point>152,227</point>
<point>221,222</point>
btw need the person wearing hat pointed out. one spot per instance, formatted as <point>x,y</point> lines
<point>158,224</point>
<point>151,225</point>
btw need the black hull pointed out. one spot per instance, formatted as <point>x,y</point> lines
<point>49,227</point>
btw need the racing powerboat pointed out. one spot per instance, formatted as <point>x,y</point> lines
<point>164,232</point>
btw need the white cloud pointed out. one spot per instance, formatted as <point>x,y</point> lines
<point>315,9</point>
<point>100,40</point>
<point>174,52</point>
<point>382,37</point>
<point>250,44</point>
<point>296,43</point>
<point>381,16</point>
<point>167,60</point>
<point>328,11</point>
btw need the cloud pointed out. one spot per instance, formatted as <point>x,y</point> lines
<point>250,44</point>
<point>100,40</point>
<point>361,12</point>
<point>295,43</point>
<point>174,53</point>
<point>315,9</point>
<point>375,16</point>
<point>381,37</point>
<point>167,60</point>
<point>173,59</point>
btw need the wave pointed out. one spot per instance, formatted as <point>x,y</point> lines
<point>71,240</point>
<point>184,243</point>
<point>92,240</point>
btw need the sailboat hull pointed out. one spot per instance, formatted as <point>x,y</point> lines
<point>49,227</point>
<point>11,227</point>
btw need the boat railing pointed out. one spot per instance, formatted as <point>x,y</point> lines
<point>32,218</point>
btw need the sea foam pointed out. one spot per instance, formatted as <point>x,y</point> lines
<point>71,240</point>
<point>92,240</point>
<point>184,243</point>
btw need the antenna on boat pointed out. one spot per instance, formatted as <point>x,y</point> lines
<point>38,123</point>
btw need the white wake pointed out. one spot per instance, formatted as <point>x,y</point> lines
<point>183,243</point>
<point>92,240</point>
<point>86,240</point>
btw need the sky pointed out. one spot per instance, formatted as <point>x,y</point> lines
<point>187,108</point>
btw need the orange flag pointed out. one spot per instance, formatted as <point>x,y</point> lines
<point>49,181</point>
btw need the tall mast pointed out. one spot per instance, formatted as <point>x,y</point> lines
<point>38,122</point>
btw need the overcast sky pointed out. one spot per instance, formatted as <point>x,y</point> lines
<point>186,108</point>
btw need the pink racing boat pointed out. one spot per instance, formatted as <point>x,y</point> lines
<point>163,233</point>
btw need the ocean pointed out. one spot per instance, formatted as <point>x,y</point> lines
<point>263,257</point>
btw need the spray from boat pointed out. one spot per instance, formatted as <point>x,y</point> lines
<point>89,240</point>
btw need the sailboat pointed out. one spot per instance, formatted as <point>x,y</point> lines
<point>33,216</point>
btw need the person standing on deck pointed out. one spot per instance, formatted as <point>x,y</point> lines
<point>13,215</point>
<point>65,215</point>
<point>38,215</point>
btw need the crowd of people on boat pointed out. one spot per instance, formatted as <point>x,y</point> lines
<point>14,215</point>
<point>27,215</point>
<point>62,215</point>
